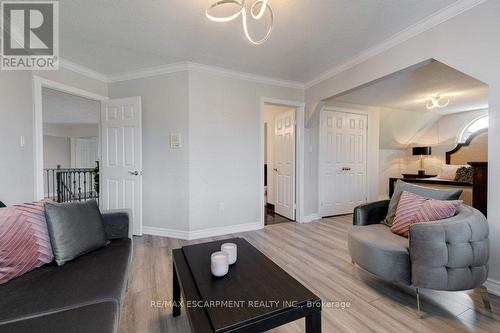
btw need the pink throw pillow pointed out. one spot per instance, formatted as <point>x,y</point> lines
<point>414,208</point>
<point>24,240</point>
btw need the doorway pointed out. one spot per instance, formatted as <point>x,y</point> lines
<point>71,152</point>
<point>118,148</point>
<point>279,163</point>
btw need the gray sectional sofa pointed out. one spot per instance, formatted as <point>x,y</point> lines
<point>449,255</point>
<point>84,295</point>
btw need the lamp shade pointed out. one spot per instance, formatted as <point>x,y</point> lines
<point>422,151</point>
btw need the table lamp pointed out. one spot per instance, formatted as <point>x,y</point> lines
<point>421,151</point>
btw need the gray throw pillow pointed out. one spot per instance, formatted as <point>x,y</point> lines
<point>74,229</point>
<point>451,194</point>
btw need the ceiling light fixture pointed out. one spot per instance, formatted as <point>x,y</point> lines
<point>256,11</point>
<point>437,102</point>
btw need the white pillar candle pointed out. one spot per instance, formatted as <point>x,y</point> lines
<point>231,250</point>
<point>219,263</point>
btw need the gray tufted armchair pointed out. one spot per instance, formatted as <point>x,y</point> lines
<point>449,255</point>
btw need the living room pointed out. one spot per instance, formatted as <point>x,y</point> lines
<point>181,139</point>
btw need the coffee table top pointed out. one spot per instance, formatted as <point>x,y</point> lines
<point>255,287</point>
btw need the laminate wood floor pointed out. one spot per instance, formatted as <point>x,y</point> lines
<point>315,254</point>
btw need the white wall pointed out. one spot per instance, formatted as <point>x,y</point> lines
<point>74,130</point>
<point>390,166</point>
<point>468,43</point>
<point>225,149</point>
<point>56,151</point>
<point>165,110</point>
<point>16,163</point>
<point>270,113</point>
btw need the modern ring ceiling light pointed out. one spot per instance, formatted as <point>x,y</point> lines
<point>257,11</point>
<point>437,102</point>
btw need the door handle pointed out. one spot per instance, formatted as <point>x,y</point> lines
<point>275,169</point>
<point>134,173</point>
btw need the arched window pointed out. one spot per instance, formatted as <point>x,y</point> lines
<point>474,126</point>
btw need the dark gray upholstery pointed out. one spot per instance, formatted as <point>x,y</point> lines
<point>74,228</point>
<point>380,252</point>
<point>114,226</point>
<point>371,213</point>
<point>94,284</point>
<point>450,254</point>
<point>98,318</point>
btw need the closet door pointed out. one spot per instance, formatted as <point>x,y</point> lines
<point>342,162</point>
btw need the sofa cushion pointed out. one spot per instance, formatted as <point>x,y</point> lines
<point>24,240</point>
<point>376,249</point>
<point>95,318</point>
<point>97,276</point>
<point>452,194</point>
<point>75,228</point>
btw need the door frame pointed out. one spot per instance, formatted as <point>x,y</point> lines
<point>299,154</point>
<point>320,178</point>
<point>38,84</point>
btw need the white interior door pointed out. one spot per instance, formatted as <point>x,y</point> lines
<point>284,203</point>
<point>342,162</point>
<point>121,167</point>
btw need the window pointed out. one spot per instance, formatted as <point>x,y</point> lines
<point>474,126</point>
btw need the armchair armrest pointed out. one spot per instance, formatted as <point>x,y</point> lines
<point>450,254</point>
<point>116,223</point>
<point>370,213</point>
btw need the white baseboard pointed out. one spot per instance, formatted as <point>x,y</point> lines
<point>164,232</point>
<point>493,286</point>
<point>203,233</point>
<point>311,218</point>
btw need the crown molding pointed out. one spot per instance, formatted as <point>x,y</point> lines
<point>196,67</point>
<point>149,72</point>
<point>245,76</point>
<point>82,70</point>
<point>427,23</point>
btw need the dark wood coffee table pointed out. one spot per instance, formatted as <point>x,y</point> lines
<point>256,295</point>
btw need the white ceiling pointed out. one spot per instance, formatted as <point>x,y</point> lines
<point>409,90</point>
<point>62,108</point>
<point>309,37</point>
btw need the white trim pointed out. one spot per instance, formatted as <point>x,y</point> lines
<point>164,232</point>
<point>246,76</point>
<point>149,72</point>
<point>196,67</point>
<point>311,218</point>
<point>299,154</point>
<point>202,233</point>
<point>493,286</point>
<point>82,70</point>
<point>427,23</point>
<point>38,84</point>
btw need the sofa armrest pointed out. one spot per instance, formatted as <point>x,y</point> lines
<point>450,254</point>
<point>116,223</point>
<point>370,213</point>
